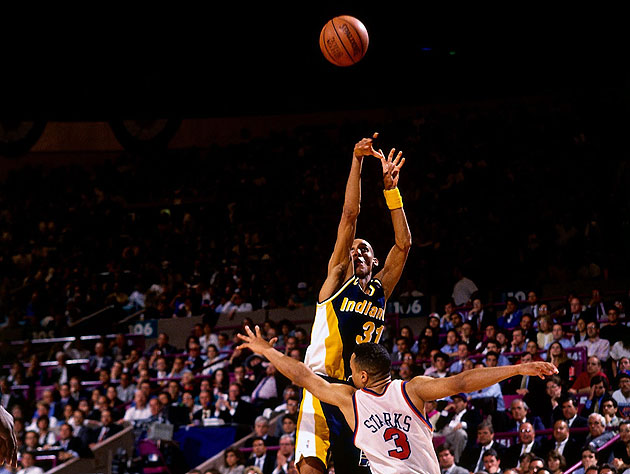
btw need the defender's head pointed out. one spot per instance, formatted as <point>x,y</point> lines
<point>369,363</point>
<point>363,258</point>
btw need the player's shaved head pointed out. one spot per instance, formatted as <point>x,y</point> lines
<point>373,358</point>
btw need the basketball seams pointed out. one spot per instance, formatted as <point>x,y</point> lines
<point>357,35</point>
<point>322,40</point>
<point>341,41</point>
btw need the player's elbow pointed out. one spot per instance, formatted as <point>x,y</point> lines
<point>350,213</point>
<point>404,243</point>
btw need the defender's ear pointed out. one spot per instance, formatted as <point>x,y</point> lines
<point>375,262</point>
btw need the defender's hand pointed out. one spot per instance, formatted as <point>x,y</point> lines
<point>540,369</point>
<point>255,342</point>
<point>391,167</point>
<point>364,147</point>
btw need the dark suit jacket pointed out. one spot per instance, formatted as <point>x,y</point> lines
<point>471,417</point>
<point>269,464</point>
<point>471,454</point>
<point>571,450</point>
<point>534,420</point>
<point>244,414</point>
<point>113,429</point>
<point>514,452</point>
<point>74,444</point>
<point>580,422</point>
<point>269,441</point>
<point>106,364</point>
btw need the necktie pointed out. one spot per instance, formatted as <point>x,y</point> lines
<point>596,409</point>
<point>480,466</point>
<point>524,381</point>
<point>103,433</point>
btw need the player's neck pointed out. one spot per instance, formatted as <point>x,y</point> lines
<point>379,386</point>
<point>363,281</point>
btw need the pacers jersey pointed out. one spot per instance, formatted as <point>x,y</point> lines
<point>351,316</point>
<point>392,432</point>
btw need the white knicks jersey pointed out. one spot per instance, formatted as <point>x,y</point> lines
<point>393,434</point>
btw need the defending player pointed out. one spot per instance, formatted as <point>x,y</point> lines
<point>388,417</point>
<point>351,311</point>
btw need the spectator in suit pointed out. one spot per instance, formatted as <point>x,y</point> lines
<point>62,373</point>
<point>286,455</point>
<point>570,414</point>
<point>527,443</point>
<point>614,330</point>
<point>261,458</point>
<point>107,429</point>
<point>492,462</point>
<point>519,411</point>
<point>71,446</point>
<point>562,443</point>
<point>261,430</point>
<point>79,427</point>
<point>235,410</point>
<point>479,316</point>
<point>532,305</point>
<point>472,456</point>
<point>99,360</point>
<point>206,410</point>
<point>447,461</point>
<point>162,346</point>
<point>621,448</point>
<point>194,361</point>
<point>457,424</point>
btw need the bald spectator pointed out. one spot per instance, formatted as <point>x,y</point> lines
<point>527,443</point>
<point>140,410</point>
<point>595,346</point>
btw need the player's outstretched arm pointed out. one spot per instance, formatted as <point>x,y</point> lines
<point>8,441</point>
<point>339,264</point>
<point>334,394</point>
<point>428,388</point>
<point>395,262</point>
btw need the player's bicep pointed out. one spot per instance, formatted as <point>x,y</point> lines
<point>392,270</point>
<point>333,394</point>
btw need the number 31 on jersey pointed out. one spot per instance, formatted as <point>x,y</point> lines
<point>369,329</point>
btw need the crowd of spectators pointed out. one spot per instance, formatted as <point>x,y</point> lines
<point>231,229</point>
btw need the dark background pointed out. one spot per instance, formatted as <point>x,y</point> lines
<point>243,59</point>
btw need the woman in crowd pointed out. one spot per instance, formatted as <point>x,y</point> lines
<point>558,357</point>
<point>233,462</point>
<point>556,462</point>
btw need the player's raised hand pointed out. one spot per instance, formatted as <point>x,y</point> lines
<point>8,441</point>
<point>255,342</point>
<point>365,147</point>
<point>540,369</point>
<point>391,167</point>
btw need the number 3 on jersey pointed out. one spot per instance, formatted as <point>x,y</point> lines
<point>369,328</point>
<point>402,450</point>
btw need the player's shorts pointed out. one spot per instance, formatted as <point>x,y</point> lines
<point>321,429</point>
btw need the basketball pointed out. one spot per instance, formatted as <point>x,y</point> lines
<point>344,40</point>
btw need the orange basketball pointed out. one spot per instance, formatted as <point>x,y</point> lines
<point>344,40</point>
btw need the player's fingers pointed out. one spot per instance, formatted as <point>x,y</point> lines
<point>273,341</point>
<point>258,334</point>
<point>375,135</point>
<point>399,165</point>
<point>249,331</point>
<point>398,158</point>
<point>391,154</point>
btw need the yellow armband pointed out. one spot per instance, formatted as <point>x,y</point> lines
<point>393,198</point>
